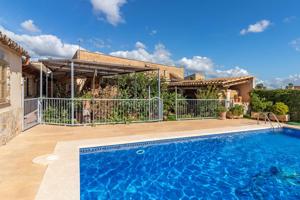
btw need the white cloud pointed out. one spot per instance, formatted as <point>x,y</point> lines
<point>258,27</point>
<point>197,64</point>
<point>110,9</point>
<point>159,55</point>
<point>236,71</point>
<point>296,44</point>
<point>289,19</point>
<point>99,43</point>
<point>140,45</point>
<point>153,32</point>
<point>42,45</point>
<point>29,26</point>
<point>282,82</point>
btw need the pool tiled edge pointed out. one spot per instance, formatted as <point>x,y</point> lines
<point>61,180</point>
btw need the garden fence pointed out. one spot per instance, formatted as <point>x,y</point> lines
<point>198,108</point>
<point>66,111</point>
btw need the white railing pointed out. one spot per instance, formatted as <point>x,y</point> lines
<point>267,118</point>
<point>65,111</point>
<point>198,108</point>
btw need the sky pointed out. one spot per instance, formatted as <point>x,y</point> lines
<point>215,37</point>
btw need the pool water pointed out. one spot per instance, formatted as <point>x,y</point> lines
<point>251,165</point>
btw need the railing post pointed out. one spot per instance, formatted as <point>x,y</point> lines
<point>176,106</point>
<point>159,101</point>
<point>40,100</point>
<point>72,92</point>
<point>149,101</point>
<point>40,110</point>
<point>22,102</point>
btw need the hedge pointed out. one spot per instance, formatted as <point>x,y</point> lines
<point>290,97</point>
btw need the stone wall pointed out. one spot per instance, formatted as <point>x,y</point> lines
<point>10,125</point>
<point>11,114</point>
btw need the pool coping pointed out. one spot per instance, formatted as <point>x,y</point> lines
<point>62,177</point>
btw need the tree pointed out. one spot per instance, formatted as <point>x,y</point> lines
<point>260,86</point>
<point>290,86</point>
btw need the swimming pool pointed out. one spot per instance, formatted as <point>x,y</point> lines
<point>254,165</point>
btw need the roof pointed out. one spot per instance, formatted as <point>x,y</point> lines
<point>13,45</point>
<point>296,87</point>
<point>88,68</point>
<point>33,68</point>
<point>96,56</point>
<point>223,82</point>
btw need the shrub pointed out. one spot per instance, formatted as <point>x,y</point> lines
<point>269,106</point>
<point>290,97</point>
<point>211,92</point>
<point>171,117</point>
<point>221,109</point>
<point>280,108</point>
<point>259,104</point>
<point>237,110</point>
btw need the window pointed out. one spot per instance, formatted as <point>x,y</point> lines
<point>3,83</point>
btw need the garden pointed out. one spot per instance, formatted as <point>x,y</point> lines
<point>284,104</point>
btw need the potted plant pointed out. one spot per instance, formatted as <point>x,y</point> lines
<point>222,112</point>
<point>236,112</point>
<point>280,110</point>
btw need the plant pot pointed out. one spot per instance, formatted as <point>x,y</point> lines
<point>281,118</point>
<point>231,116</point>
<point>254,115</point>
<point>222,115</point>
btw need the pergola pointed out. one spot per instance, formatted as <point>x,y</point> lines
<point>90,69</point>
<point>76,67</point>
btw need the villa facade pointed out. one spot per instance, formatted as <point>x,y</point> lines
<point>236,89</point>
<point>11,109</point>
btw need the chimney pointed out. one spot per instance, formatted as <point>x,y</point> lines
<point>195,76</point>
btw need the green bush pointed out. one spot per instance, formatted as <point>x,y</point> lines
<point>280,108</point>
<point>290,97</point>
<point>269,106</point>
<point>260,104</point>
<point>237,110</point>
<point>221,109</point>
<point>210,92</point>
<point>171,117</point>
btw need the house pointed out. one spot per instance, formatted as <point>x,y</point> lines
<point>296,87</point>
<point>234,88</point>
<point>60,78</point>
<point>170,73</point>
<point>11,112</point>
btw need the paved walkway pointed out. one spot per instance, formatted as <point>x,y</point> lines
<point>20,178</point>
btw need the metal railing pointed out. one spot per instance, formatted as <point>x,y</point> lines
<point>65,111</point>
<point>198,108</point>
<point>31,113</point>
<point>267,118</point>
<point>30,105</point>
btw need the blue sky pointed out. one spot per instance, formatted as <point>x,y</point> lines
<point>216,37</point>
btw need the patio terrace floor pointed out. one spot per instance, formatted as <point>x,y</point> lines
<point>20,178</point>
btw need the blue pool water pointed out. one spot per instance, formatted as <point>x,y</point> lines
<point>254,165</point>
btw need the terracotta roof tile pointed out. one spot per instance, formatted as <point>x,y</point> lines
<point>215,81</point>
<point>13,45</point>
